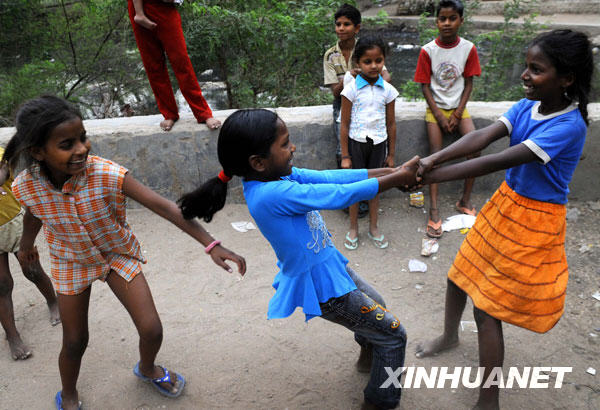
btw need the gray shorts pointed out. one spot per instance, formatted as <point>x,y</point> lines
<point>367,155</point>
<point>10,234</point>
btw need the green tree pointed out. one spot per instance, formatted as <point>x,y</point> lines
<point>268,53</point>
<point>77,49</point>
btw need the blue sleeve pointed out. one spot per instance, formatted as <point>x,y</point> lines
<point>514,111</point>
<point>291,198</point>
<point>334,176</point>
<point>564,134</point>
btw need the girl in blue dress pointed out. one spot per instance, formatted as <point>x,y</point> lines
<point>284,201</point>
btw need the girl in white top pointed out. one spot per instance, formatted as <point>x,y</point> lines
<point>368,127</point>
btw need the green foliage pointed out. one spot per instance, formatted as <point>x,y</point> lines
<point>29,81</point>
<point>501,51</point>
<point>77,49</point>
<point>411,91</point>
<point>505,53</point>
<point>268,53</point>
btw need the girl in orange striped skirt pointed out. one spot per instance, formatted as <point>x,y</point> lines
<point>512,263</point>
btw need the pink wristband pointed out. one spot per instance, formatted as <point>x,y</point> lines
<point>211,246</point>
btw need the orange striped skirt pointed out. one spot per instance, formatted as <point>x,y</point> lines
<point>513,263</point>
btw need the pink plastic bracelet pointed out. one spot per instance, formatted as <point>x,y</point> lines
<point>211,246</point>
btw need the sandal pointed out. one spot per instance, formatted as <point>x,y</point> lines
<point>58,401</point>
<point>350,243</point>
<point>156,383</point>
<point>434,229</point>
<point>465,210</point>
<point>379,242</point>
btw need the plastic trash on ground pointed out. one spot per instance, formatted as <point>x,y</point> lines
<point>468,326</point>
<point>429,246</point>
<point>243,226</point>
<point>459,221</point>
<point>417,200</point>
<point>415,265</point>
<point>596,295</point>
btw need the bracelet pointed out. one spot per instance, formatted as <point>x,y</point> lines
<point>211,246</point>
<point>346,157</point>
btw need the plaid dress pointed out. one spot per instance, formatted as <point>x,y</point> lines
<point>85,224</point>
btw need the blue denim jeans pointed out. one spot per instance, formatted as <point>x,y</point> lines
<point>363,312</point>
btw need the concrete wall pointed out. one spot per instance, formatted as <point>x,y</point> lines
<point>175,162</point>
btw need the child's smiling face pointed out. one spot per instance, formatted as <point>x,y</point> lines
<point>448,22</point>
<point>540,79</point>
<point>66,151</point>
<point>345,28</point>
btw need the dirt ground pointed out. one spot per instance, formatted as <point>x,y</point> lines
<point>216,333</point>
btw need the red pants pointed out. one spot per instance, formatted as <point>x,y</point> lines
<point>167,41</point>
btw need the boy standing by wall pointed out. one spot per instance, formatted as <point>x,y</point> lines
<point>445,69</point>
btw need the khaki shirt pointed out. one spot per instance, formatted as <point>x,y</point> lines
<point>335,66</point>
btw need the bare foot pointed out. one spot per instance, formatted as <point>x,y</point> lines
<point>167,125</point>
<point>144,22</point>
<point>54,314</point>
<point>18,349</point>
<point>365,359</point>
<point>434,346</point>
<point>212,123</point>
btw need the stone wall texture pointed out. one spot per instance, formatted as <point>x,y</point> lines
<point>175,162</point>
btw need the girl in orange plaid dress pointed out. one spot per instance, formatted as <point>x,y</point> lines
<point>80,200</point>
<point>512,264</point>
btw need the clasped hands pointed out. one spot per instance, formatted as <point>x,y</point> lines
<point>411,174</point>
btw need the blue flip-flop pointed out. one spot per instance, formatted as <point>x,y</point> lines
<point>165,379</point>
<point>58,401</point>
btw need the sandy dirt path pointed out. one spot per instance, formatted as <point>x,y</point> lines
<point>216,333</point>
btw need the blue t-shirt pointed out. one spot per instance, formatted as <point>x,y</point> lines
<point>312,270</point>
<point>557,139</point>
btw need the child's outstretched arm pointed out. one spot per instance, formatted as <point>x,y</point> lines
<point>171,212</point>
<point>345,132</point>
<point>510,157</point>
<point>402,177</point>
<point>390,123</point>
<point>471,142</point>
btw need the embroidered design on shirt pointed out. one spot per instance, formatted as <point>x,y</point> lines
<point>446,74</point>
<point>321,238</point>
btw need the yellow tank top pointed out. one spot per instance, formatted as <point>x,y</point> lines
<point>9,206</point>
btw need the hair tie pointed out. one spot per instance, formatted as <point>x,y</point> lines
<point>224,178</point>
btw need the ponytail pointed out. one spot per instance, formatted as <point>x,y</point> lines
<point>583,102</point>
<point>243,134</point>
<point>204,201</point>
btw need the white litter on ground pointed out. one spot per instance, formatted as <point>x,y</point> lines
<point>459,221</point>
<point>243,226</point>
